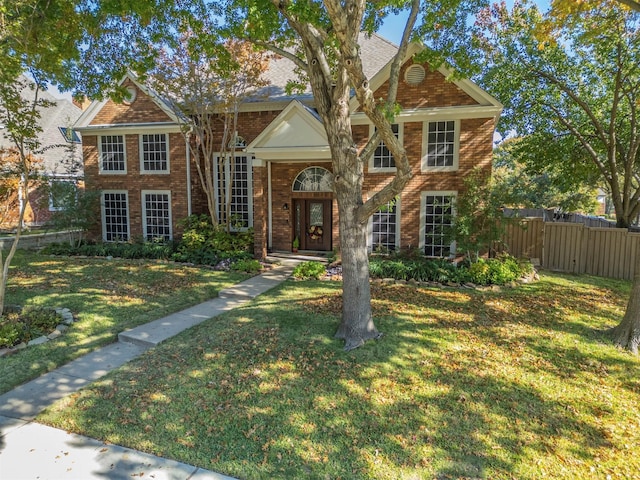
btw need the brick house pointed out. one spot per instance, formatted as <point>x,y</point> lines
<point>136,156</point>
<point>59,159</point>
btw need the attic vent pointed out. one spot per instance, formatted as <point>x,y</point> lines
<point>129,95</point>
<point>414,75</point>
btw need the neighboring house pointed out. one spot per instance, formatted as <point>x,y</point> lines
<point>60,156</point>
<point>135,155</point>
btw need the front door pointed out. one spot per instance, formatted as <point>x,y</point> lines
<point>313,224</point>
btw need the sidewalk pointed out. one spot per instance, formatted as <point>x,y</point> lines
<point>30,451</point>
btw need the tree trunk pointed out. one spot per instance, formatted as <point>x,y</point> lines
<point>357,324</point>
<point>627,333</point>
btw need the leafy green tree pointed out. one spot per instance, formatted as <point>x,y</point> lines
<point>522,183</point>
<point>478,223</point>
<point>571,87</point>
<point>321,39</point>
<point>207,81</point>
<point>571,80</point>
<point>78,212</point>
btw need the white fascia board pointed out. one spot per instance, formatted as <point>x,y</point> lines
<point>129,129</point>
<point>441,113</point>
<point>302,154</point>
<point>271,106</point>
<point>294,107</point>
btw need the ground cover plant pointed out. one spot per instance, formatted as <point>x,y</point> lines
<point>518,383</point>
<point>493,271</point>
<point>105,296</point>
<point>18,325</point>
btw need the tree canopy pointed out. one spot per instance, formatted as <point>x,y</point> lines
<point>570,83</point>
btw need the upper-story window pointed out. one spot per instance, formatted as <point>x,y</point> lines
<point>382,159</point>
<point>112,154</point>
<point>154,153</point>
<point>441,144</point>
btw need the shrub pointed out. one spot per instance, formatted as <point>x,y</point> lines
<point>307,270</point>
<point>207,244</point>
<point>10,333</point>
<point>246,265</point>
<point>21,326</point>
<point>496,271</point>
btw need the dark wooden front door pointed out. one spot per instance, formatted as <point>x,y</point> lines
<point>313,224</point>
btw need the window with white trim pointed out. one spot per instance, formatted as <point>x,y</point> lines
<point>154,153</point>
<point>234,190</point>
<point>441,142</point>
<point>156,215</point>
<point>113,158</point>
<point>437,210</point>
<point>62,194</point>
<point>115,216</point>
<point>382,159</point>
<point>384,227</point>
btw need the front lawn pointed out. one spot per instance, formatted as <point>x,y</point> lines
<point>106,297</point>
<point>464,384</point>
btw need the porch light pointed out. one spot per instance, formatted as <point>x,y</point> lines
<point>285,206</point>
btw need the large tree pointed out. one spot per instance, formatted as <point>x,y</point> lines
<point>570,79</point>
<point>35,38</point>
<point>572,87</point>
<point>321,39</point>
<point>206,82</point>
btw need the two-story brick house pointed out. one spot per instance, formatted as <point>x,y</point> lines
<point>136,156</point>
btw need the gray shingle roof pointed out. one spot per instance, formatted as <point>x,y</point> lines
<point>59,156</point>
<point>376,53</point>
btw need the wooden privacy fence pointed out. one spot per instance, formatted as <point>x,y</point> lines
<point>575,248</point>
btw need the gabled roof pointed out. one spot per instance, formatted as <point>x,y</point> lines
<point>89,114</point>
<point>376,53</point>
<point>58,155</point>
<point>295,134</point>
<point>467,86</point>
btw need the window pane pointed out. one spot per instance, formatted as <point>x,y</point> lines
<point>154,152</point>
<point>116,217</point>
<point>382,157</point>
<point>236,192</point>
<point>440,144</point>
<point>384,228</point>
<point>438,221</point>
<point>157,216</point>
<point>112,153</point>
<point>315,214</point>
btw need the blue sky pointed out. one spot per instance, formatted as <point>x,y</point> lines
<point>392,26</point>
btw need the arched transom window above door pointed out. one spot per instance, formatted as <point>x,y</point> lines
<point>314,179</point>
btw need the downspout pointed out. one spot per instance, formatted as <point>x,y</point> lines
<point>269,212</point>
<point>186,144</point>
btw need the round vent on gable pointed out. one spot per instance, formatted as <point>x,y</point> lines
<point>414,75</point>
<point>129,95</point>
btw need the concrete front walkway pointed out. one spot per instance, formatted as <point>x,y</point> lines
<point>31,451</point>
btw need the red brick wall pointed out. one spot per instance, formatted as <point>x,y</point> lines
<point>134,182</point>
<point>433,91</point>
<point>141,110</point>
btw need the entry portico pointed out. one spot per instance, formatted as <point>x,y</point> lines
<point>292,156</point>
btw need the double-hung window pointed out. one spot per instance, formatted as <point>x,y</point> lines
<point>437,210</point>
<point>115,216</point>
<point>156,215</point>
<point>384,227</point>
<point>234,191</point>
<point>440,145</point>
<point>112,154</point>
<point>154,153</point>
<point>62,194</point>
<point>382,159</point>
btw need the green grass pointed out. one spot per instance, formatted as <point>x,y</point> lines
<point>106,296</point>
<point>464,384</point>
